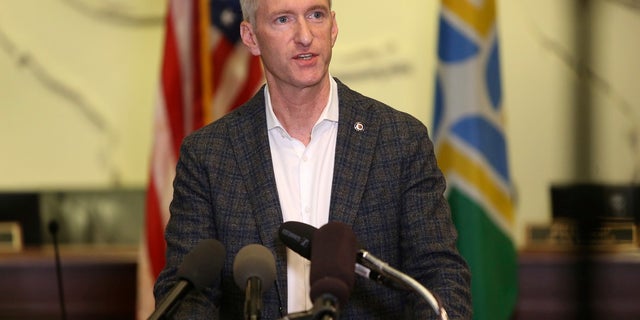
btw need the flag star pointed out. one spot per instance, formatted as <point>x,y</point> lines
<point>227,18</point>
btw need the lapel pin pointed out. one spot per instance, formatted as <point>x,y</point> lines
<point>358,126</point>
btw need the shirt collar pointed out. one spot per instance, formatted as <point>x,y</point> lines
<point>330,112</point>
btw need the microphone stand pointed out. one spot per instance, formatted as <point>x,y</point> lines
<point>53,229</point>
<point>253,299</point>
<point>322,309</point>
<point>385,269</point>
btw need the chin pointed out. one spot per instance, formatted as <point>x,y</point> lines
<point>312,81</point>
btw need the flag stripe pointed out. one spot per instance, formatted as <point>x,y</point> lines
<point>171,78</point>
<point>154,234</point>
<point>491,257</point>
<point>473,173</point>
<point>252,82</point>
<point>199,54</point>
<point>205,63</point>
<point>480,18</point>
<point>486,140</point>
<point>221,53</point>
<point>233,75</point>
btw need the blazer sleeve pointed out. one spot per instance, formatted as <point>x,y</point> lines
<point>190,222</point>
<point>428,235</point>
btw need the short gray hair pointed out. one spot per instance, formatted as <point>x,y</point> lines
<point>249,8</point>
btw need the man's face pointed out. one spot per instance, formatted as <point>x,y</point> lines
<point>294,39</point>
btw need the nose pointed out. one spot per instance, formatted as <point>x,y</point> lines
<point>304,36</point>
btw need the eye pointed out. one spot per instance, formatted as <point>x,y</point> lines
<point>316,15</point>
<point>282,20</point>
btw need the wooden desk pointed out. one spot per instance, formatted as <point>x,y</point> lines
<point>98,282</point>
<point>551,286</point>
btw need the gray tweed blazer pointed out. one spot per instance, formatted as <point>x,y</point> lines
<point>386,185</point>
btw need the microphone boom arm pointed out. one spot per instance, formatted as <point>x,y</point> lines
<point>372,262</point>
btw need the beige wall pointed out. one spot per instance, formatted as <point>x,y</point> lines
<point>76,92</point>
<point>78,83</point>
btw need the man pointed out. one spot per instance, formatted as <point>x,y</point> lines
<point>308,148</point>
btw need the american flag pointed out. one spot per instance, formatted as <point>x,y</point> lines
<point>206,72</point>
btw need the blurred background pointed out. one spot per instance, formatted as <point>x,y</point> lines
<point>79,83</point>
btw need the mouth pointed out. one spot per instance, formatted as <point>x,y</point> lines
<point>306,56</point>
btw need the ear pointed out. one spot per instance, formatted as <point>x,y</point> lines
<point>249,38</point>
<point>334,28</point>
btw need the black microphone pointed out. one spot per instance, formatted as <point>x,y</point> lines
<point>332,275</point>
<point>199,269</point>
<point>254,270</point>
<point>53,229</point>
<point>297,236</point>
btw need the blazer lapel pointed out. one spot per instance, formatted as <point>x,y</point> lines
<point>251,148</point>
<point>357,135</point>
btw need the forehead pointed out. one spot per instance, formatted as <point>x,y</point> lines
<point>273,6</point>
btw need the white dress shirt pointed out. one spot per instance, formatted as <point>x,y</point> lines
<point>304,176</point>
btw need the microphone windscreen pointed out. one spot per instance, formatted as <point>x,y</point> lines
<point>333,256</point>
<point>254,260</point>
<point>297,236</point>
<point>202,265</point>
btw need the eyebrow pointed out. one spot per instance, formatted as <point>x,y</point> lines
<point>319,7</point>
<point>312,8</point>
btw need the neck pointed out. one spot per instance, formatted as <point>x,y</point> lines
<point>299,109</point>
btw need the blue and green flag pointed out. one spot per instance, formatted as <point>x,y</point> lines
<point>471,147</point>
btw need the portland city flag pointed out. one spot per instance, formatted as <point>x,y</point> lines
<point>471,148</point>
